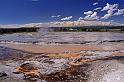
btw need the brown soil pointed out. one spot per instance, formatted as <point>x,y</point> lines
<point>71,74</point>
<point>64,48</point>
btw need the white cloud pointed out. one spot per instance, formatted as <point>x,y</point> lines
<point>119,12</point>
<point>66,18</point>
<point>97,8</point>
<point>110,10</point>
<point>95,3</point>
<point>93,16</point>
<point>10,26</point>
<point>106,16</point>
<point>110,7</point>
<point>88,13</point>
<point>80,19</point>
<point>111,21</point>
<point>56,16</point>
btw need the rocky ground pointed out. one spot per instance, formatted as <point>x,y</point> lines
<point>62,57</point>
<point>83,66</point>
<point>107,71</point>
<point>38,68</point>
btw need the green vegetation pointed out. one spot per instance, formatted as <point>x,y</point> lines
<point>90,29</point>
<point>65,29</point>
<point>17,30</point>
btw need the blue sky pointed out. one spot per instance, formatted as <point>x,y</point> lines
<point>26,11</point>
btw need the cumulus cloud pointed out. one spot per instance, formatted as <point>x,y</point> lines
<point>80,19</point>
<point>66,18</point>
<point>56,16</point>
<point>119,12</point>
<point>110,7</point>
<point>95,3</point>
<point>106,16</point>
<point>97,9</point>
<point>111,21</point>
<point>92,16</point>
<point>110,10</point>
<point>88,13</point>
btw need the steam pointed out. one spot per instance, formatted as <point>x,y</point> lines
<point>45,30</point>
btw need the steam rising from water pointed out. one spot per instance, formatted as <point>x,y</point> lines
<point>45,30</point>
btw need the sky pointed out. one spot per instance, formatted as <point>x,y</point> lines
<point>27,11</point>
